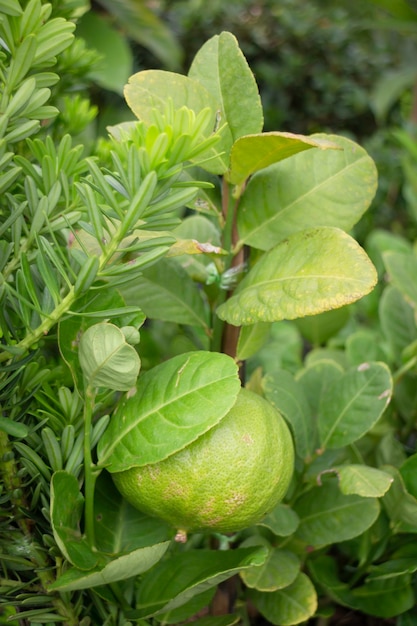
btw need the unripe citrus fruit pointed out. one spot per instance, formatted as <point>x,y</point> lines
<point>226,480</point>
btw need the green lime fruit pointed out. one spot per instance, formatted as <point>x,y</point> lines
<point>225,480</point>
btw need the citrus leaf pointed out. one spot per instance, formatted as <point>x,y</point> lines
<point>198,389</point>
<point>106,359</point>
<point>363,480</point>
<point>312,271</point>
<point>190,609</point>
<point>400,505</point>
<point>252,153</point>
<point>120,568</point>
<point>120,528</point>
<point>116,62</point>
<point>308,190</point>
<point>287,395</point>
<point>222,69</point>
<point>151,89</point>
<point>66,513</point>
<point>285,607</point>
<point>142,25</point>
<point>251,339</point>
<point>315,380</point>
<point>397,320</point>
<point>328,516</point>
<point>174,581</point>
<point>353,404</point>
<point>280,569</point>
<point>166,292</point>
<point>385,598</point>
<point>408,471</point>
<point>106,303</point>
<point>402,271</point>
<point>283,521</point>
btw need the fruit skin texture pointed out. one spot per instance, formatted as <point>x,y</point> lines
<point>226,480</point>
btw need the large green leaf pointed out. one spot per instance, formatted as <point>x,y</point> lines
<point>252,153</point>
<point>287,395</point>
<point>285,607</point>
<point>220,66</point>
<point>166,292</point>
<point>353,404</point>
<point>312,271</point>
<point>327,516</point>
<point>314,188</point>
<point>175,402</point>
<point>174,581</point>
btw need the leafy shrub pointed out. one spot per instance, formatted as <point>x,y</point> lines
<point>168,258</point>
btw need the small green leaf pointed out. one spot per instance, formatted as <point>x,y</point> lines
<point>402,271</point>
<point>385,598</point>
<point>316,378</point>
<point>353,404</point>
<point>280,569</point>
<point>177,579</point>
<point>293,605</point>
<point>312,271</point>
<point>256,152</point>
<point>116,62</point>
<point>364,481</point>
<point>397,320</point>
<point>283,521</point>
<point>222,69</point>
<point>120,528</point>
<point>327,516</point>
<point>251,339</point>
<point>106,359</point>
<point>408,471</point>
<point>152,89</point>
<point>66,513</point>
<point>287,395</point>
<point>166,292</point>
<point>400,505</point>
<point>199,389</point>
<point>120,568</point>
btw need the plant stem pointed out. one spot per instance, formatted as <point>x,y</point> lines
<point>90,469</point>
<point>224,336</point>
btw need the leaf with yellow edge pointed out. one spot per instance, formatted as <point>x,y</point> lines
<point>255,152</point>
<point>312,271</point>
